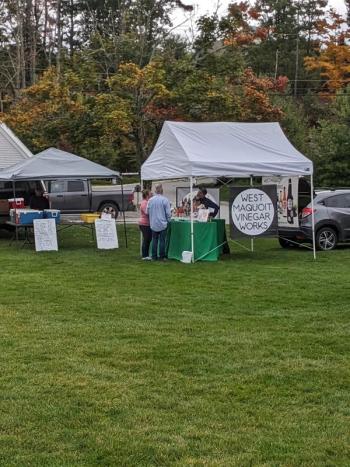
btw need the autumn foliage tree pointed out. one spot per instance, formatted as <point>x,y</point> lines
<point>333,54</point>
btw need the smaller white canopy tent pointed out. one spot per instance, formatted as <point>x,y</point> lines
<point>54,163</point>
<point>224,149</point>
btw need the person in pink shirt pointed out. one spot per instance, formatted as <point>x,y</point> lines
<point>144,225</point>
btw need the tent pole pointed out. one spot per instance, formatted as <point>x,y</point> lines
<point>123,210</point>
<point>14,197</point>
<point>313,216</point>
<point>252,239</point>
<point>192,231</point>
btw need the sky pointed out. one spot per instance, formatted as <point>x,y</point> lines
<point>209,6</point>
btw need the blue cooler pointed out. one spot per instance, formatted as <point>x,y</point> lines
<point>53,214</point>
<point>27,216</point>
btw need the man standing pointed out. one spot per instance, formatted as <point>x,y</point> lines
<point>158,210</point>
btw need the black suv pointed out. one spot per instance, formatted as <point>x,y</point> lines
<point>332,219</point>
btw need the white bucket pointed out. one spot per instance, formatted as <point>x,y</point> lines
<point>186,257</point>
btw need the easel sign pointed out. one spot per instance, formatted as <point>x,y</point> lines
<point>45,235</point>
<point>106,234</point>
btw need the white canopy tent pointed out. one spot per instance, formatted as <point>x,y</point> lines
<point>53,164</point>
<point>224,149</point>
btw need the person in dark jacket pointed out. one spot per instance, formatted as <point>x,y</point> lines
<point>207,202</point>
<point>39,201</point>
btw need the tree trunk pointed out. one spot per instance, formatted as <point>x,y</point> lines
<point>71,28</point>
<point>59,38</point>
<point>20,54</point>
<point>347,3</point>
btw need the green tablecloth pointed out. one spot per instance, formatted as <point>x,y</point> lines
<point>207,236</point>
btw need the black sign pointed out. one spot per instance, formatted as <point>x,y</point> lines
<point>253,211</point>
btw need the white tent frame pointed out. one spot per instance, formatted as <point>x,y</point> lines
<point>238,132</point>
<point>190,180</point>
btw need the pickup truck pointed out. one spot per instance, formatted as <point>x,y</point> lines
<point>72,196</point>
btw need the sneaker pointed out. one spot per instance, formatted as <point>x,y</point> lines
<point>147,258</point>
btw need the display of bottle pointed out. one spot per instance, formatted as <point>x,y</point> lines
<point>280,203</point>
<point>284,202</point>
<point>290,212</point>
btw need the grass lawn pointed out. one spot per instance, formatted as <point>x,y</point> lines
<point>107,360</point>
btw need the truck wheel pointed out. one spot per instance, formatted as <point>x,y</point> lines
<point>110,208</point>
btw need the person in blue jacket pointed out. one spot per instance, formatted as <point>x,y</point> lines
<point>158,210</point>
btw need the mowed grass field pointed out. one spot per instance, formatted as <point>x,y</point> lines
<point>107,360</point>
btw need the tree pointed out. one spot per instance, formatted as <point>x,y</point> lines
<point>49,112</point>
<point>144,93</point>
<point>333,54</point>
<point>347,3</point>
<point>330,144</point>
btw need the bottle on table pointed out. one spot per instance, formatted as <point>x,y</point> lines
<point>284,202</point>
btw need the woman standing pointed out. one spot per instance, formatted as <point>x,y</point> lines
<point>144,225</point>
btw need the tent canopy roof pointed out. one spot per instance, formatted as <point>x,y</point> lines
<point>54,163</point>
<point>186,149</point>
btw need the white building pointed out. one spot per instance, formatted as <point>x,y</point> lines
<point>12,150</point>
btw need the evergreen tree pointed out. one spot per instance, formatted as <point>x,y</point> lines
<point>330,144</point>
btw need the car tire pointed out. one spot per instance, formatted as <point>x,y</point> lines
<point>326,239</point>
<point>110,208</point>
<point>284,243</point>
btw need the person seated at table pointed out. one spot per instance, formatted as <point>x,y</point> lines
<point>207,203</point>
<point>39,201</point>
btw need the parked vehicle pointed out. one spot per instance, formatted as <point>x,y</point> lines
<point>74,196</point>
<point>332,219</point>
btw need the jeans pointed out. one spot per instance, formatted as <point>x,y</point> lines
<point>146,239</point>
<point>161,237</point>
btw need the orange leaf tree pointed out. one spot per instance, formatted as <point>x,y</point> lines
<point>333,54</point>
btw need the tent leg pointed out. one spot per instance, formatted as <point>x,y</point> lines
<point>313,217</point>
<point>14,197</point>
<point>252,239</point>
<point>123,211</point>
<point>192,230</point>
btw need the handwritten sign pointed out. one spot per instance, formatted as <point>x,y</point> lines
<point>253,211</point>
<point>106,234</point>
<point>45,235</point>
